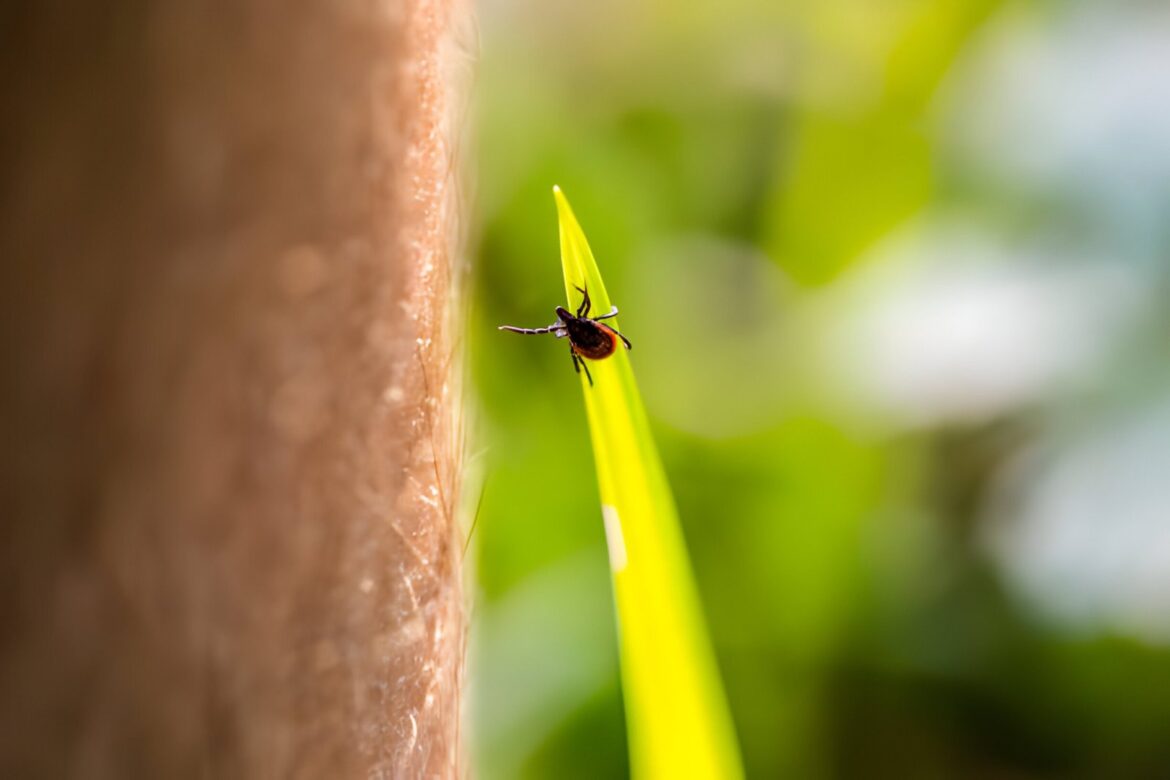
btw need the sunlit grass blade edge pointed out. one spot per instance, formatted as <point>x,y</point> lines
<point>676,712</point>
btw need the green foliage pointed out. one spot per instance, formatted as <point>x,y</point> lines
<point>776,191</point>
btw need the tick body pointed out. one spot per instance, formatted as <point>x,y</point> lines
<point>588,336</point>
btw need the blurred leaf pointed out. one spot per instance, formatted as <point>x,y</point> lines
<point>861,161</point>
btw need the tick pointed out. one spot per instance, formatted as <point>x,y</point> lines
<point>588,336</point>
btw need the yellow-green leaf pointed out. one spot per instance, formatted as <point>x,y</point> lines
<point>676,713</point>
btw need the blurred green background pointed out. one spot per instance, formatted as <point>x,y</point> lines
<point>895,273</point>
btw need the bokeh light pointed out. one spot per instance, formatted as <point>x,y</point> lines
<point>895,275</point>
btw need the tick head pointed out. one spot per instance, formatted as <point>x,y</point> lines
<point>564,314</point>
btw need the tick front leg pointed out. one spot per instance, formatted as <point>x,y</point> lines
<point>583,309</point>
<point>612,313</point>
<point>533,331</point>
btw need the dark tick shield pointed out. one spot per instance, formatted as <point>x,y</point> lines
<point>588,336</point>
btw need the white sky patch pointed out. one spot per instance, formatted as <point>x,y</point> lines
<point>1074,102</point>
<point>613,538</point>
<point>990,328</point>
<point>1082,531</point>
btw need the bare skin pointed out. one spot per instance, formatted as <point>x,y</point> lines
<point>229,411</point>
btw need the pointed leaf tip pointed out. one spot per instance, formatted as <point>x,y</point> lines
<point>676,713</point>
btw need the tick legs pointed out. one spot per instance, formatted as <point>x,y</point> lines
<point>579,363</point>
<point>558,329</point>
<point>583,309</point>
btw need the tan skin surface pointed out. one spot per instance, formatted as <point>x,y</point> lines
<point>228,413</point>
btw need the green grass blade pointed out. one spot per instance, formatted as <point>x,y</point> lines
<point>676,713</point>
